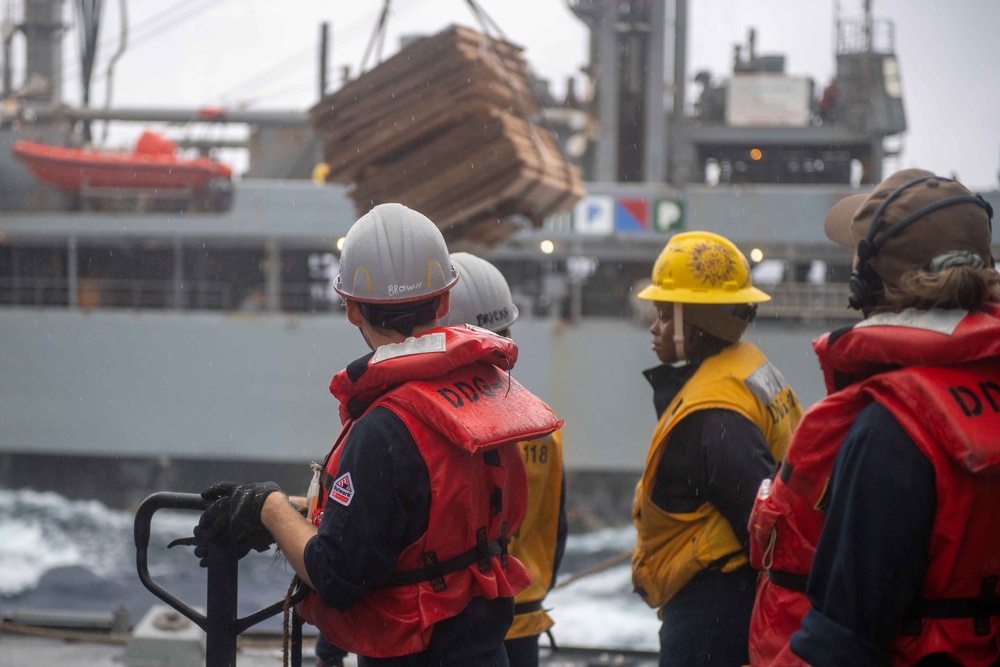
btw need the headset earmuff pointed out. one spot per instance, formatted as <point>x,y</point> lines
<point>865,286</point>
<point>989,214</point>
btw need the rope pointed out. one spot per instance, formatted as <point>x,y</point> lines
<point>488,44</point>
<point>55,633</point>
<point>286,616</point>
<point>486,22</point>
<point>600,567</point>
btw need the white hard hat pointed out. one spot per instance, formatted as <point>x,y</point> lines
<point>481,297</point>
<point>394,254</point>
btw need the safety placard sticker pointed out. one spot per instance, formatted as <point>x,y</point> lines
<point>343,489</point>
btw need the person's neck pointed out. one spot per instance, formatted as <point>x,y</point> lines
<point>377,338</point>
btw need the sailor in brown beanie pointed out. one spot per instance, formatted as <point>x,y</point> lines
<point>879,537</point>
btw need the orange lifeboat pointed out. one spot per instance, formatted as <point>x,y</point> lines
<point>153,164</point>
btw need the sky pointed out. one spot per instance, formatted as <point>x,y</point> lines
<point>262,54</point>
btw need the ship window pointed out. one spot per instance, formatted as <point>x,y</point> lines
<point>33,275</point>
<point>224,277</point>
<point>609,291</point>
<point>126,275</point>
<point>769,272</point>
<point>890,74</point>
<point>307,280</point>
<point>817,272</point>
<point>713,171</point>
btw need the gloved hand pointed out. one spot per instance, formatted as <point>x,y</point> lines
<point>234,514</point>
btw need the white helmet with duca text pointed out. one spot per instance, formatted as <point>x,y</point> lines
<point>481,297</point>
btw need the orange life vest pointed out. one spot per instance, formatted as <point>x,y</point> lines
<point>952,413</point>
<point>451,389</point>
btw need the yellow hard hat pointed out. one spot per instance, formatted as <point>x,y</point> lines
<point>320,172</point>
<point>702,267</point>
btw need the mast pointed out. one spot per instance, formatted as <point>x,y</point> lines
<point>43,28</point>
<point>638,59</point>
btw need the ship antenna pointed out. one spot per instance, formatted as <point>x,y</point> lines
<point>868,26</point>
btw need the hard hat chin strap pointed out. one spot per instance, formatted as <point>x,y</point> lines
<point>679,331</point>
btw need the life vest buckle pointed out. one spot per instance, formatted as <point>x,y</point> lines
<point>433,569</point>
<point>987,599</point>
<point>482,550</point>
<point>503,545</point>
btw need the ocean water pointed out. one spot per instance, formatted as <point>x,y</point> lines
<point>80,556</point>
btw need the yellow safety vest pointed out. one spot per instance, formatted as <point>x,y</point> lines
<point>672,548</point>
<point>534,544</point>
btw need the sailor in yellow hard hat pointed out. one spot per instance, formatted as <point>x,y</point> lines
<point>725,417</point>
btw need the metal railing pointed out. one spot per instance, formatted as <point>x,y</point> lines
<point>788,300</point>
<point>309,297</point>
<point>807,301</point>
<point>116,293</point>
<point>34,292</point>
<point>865,35</point>
<point>161,294</point>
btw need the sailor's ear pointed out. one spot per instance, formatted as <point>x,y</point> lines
<point>353,313</point>
<point>444,305</point>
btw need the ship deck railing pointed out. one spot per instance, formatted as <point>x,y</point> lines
<point>791,301</point>
<point>115,293</point>
<point>807,301</point>
<point>158,294</point>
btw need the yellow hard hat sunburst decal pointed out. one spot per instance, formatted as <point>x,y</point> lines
<point>711,264</point>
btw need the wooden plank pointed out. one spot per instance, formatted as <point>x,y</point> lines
<point>416,58</point>
<point>443,127</point>
<point>425,63</point>
<point>370,98</point>
<point>344,154</point>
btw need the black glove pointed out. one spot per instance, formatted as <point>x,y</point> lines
<point>233,515</point>
<point>214,522</point>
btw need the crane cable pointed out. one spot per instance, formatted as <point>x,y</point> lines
<point>541,149</point>
<point>109,76</point>
<point>378,35</point>
<point>158,24</point>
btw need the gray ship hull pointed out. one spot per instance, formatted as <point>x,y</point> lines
<point>115,405</point>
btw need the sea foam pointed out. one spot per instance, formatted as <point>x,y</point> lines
<point>44,531</point>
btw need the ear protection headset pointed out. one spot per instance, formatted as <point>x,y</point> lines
<point>865,284</point>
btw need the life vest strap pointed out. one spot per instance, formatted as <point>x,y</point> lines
<point>326,479</point>
<point>435,571</point>
<point>503,545</point>
<point>527,607</point>
<point>979,609</point>
<point>790,580</point>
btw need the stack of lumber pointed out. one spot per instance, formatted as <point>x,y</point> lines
<point>444,127</point>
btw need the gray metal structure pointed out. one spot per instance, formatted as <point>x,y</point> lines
<point>646,138</point>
